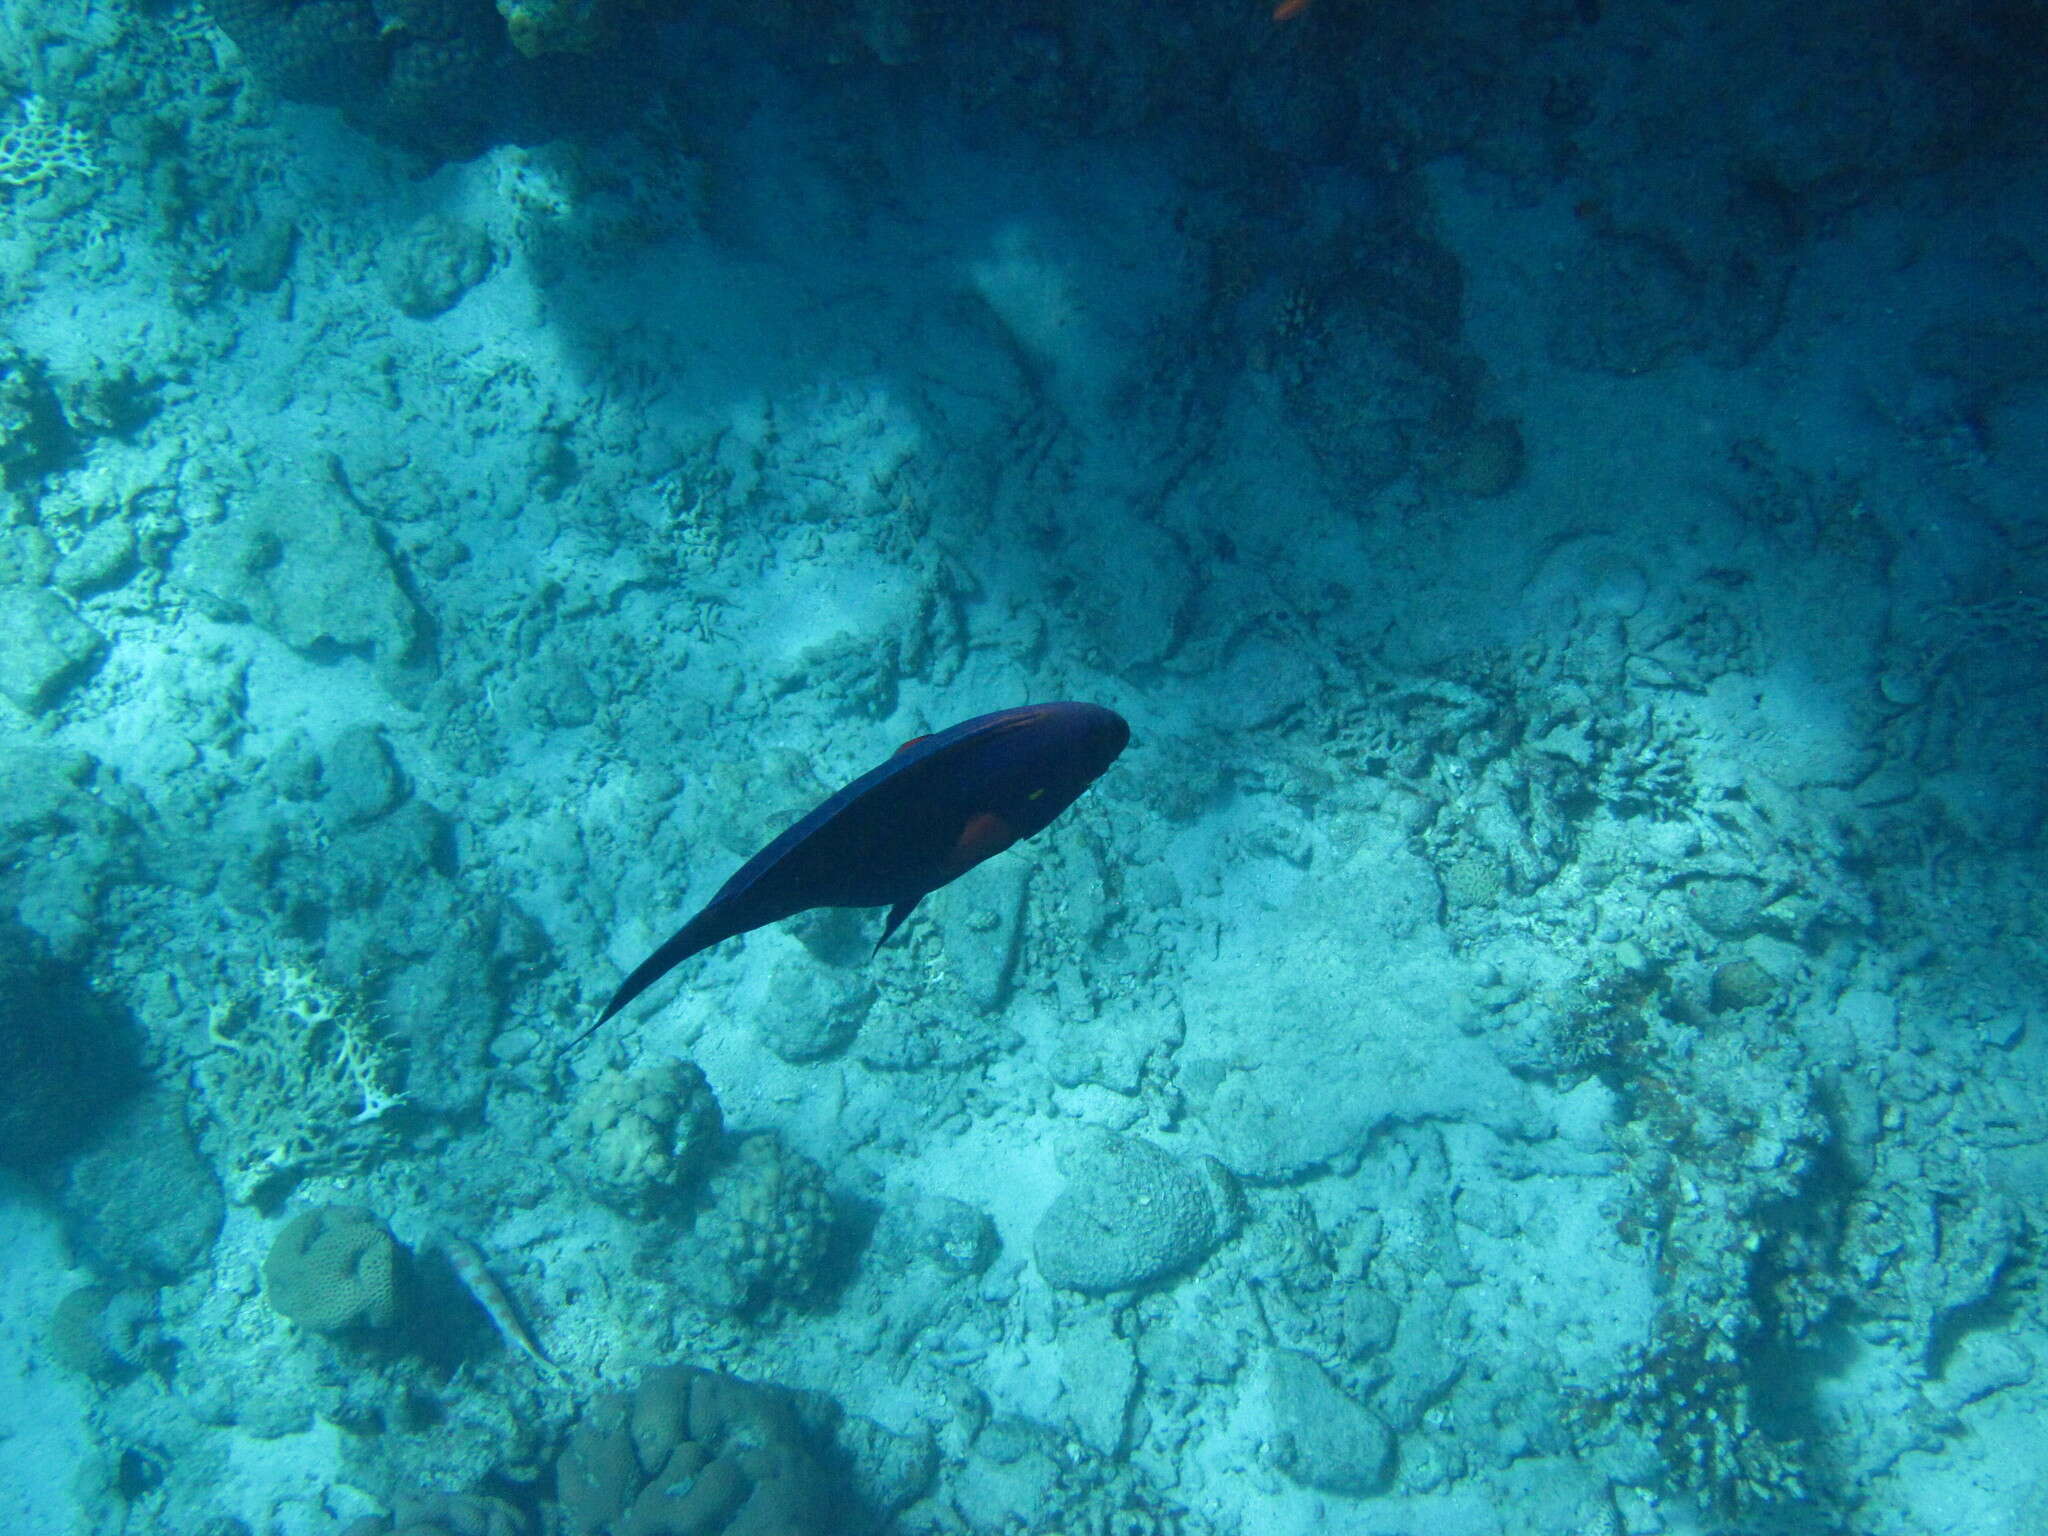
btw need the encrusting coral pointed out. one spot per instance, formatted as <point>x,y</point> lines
<point>296,1083</point>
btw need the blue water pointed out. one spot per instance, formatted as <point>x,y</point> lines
<point>1542,1032</point>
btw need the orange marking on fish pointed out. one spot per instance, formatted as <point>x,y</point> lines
<point>984,836</point>
<point>1287,10</point>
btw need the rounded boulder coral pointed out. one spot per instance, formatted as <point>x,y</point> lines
<point>645,1136</point>
<point>1132,1213</point>
<point>765,1229</point>
<point>697,1453</point>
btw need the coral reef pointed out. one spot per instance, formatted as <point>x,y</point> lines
<point>429,268</point>
<point>141,1200</point>
<point>1381,378</point>
<point>335,1269</point>
<point>764,1231</point>
<point>68,835</point>
<point>694,1451</point>
<point>1485,460</point>
<point>1323,1438</point>
<point>453,79</point>
<point>297,1082</point>
<point>361,780</point>
<point>813,1013</point>
<point>44,647</point>
<point>1740,984</point>
<point>1691,1395</point>
<point>443,1514</point>
<point>34,434</point>
<point>305,561</point>
<point>67,1058</point>
<point>1131,1214</point>
<point>1543,1027</point>
<point>39,147</point>
<point>106,1335</point>
<point>558,26</point>
<point>644,1137</point>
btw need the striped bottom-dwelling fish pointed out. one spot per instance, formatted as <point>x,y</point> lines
<point>468,1264</point>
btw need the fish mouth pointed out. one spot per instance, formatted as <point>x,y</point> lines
<point>1104,745</point>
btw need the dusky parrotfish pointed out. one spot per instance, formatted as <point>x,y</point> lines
<point>940,806</point>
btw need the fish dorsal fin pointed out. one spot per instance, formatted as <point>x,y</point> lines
<point>910,743</point>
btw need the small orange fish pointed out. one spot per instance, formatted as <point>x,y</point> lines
<point>1287,10</point>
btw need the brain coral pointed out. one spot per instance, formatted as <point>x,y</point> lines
<point>334,1269</point>
<point>105,1334</point>
<point>1130,1214</point>
<point>646,1135</point>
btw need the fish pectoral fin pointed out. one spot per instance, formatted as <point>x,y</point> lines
<point>985,835</point>
<point>897,913</point>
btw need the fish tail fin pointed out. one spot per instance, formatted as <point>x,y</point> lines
<point>687,941</point>
<point>897,913</point>
<point>588,1030</point>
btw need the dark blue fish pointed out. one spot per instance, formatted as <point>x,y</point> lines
<point>897,833</point>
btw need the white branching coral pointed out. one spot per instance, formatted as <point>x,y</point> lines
<point>39,147</point>
<point>295,1082</point>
